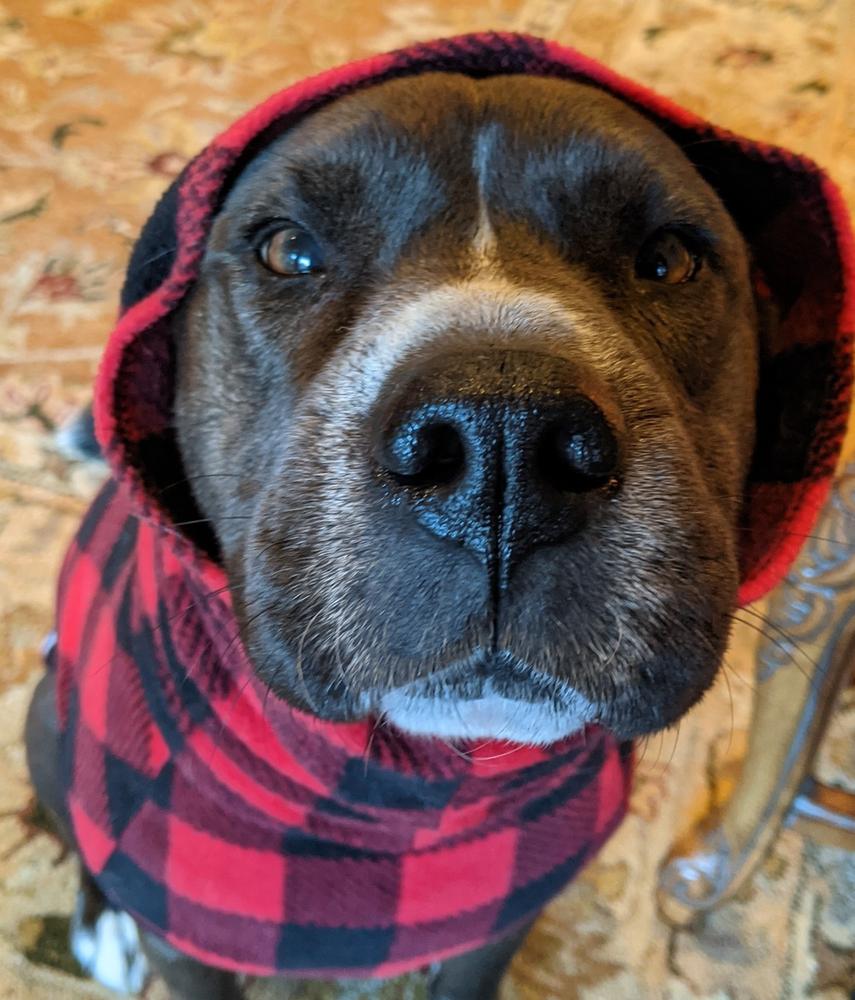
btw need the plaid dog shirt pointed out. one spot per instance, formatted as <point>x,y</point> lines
<point>260,839</point>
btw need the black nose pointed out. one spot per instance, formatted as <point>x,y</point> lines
<point>501,452</point>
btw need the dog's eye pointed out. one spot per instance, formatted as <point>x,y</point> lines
<point>666,258</point>
<point>291,251</point>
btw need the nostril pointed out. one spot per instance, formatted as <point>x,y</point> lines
<point>579,452</point>
<point>425,454</point>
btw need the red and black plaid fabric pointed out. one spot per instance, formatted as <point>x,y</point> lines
<point>257,838</point>
<point>260,839</point>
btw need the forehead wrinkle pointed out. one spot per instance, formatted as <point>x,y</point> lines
<point>584,160</point>
<point>632,168</point>
<point>312,155</point>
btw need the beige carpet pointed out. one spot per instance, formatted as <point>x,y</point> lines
<point>101,102</point>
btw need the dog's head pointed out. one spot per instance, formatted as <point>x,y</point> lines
<point>466,385</point>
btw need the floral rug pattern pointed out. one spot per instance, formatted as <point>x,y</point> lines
<point>101,103</point>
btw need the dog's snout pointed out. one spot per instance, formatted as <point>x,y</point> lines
<point>501,452</point>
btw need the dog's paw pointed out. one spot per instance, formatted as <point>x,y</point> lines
<point>109,949</point>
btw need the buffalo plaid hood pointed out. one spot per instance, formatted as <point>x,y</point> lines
<point>258,838</point>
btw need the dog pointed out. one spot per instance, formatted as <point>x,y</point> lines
<point>465,397</point>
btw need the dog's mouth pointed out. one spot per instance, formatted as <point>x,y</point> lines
<point>499,696</point>
<point>487,696</point>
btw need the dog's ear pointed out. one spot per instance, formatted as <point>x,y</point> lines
<point>140,398</point>
<point>794,222</point>
<point>798,288</point>
<point>154,250</point>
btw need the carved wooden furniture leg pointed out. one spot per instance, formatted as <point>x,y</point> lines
<point>806,658</point>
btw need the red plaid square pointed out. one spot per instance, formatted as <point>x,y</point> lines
<point>443,883</point>
<point>99,670</point>
<point>96,845</point>
<point>215,873</point>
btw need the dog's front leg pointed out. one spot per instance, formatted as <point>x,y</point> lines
<point>477,974</point>
<point>101,946</point>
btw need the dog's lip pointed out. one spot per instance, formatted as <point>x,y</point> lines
<point>488,696</point>
<point>487,676</point>
<point>486,672</point>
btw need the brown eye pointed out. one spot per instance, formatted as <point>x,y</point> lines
<point>291,251</point>
<point>666,258</point>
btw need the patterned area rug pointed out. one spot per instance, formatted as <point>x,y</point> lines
<point>102,102</point>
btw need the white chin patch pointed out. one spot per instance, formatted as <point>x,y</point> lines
<point>489,717</point>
